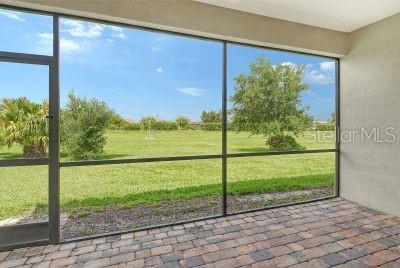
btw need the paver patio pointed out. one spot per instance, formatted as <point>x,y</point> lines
<point>328,233</point>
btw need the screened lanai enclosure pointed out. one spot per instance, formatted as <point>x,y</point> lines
<point>107,128</point>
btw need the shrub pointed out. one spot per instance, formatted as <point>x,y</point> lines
<point>211,126</point>
<point>283,143</point>
<point>166,125</point>
<point>211,117</point>
<point>25,123</point>
<point>182,122</point>
<point>217,127</point>
<point>83,123</point>
<point>152,123</point>
<point>194,127</point>
<point>232,127</point>
<point>147,122</point>
<point>131,126</point>
<point>116,122</point>
<point>325,127</point>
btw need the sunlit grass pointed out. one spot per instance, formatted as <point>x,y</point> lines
<point>26,188</point>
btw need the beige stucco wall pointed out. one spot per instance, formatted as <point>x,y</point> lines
<point>370,98</point>
<point>202,19</point>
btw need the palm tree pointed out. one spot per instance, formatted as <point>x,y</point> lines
<point>25,123</point>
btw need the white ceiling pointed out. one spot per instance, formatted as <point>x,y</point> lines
<point>341,15</point>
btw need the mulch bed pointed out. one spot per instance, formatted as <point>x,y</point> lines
<point>115,218</point>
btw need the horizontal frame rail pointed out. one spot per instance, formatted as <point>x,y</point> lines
<point>24,162</point>
<point>13,57</point>
<point>235,155</point>
<point>185,158</point>
<point>137,160</point>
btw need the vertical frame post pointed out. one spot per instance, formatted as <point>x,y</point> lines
<point>224,129</point>
<point>54,150</point>
<point>337,128</point>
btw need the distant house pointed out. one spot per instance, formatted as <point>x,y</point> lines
<point>194,123</point>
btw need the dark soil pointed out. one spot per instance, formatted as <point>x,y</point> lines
<point>239,203</point>
<point>114,218</point>
<point>35,218</point>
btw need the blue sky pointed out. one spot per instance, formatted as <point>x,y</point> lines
<point>142,73</point>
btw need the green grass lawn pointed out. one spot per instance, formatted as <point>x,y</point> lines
<point>25,188</point>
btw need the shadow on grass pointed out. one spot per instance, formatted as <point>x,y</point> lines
<point>234,188</point>
<point>262,150</point>
<point>112,156</point>
<point>102,157</point>
<point>10,156</point>
<point>253,150</point>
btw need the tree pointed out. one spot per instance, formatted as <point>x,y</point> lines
<point>333,118</point>
<point>25,123</point>
<point>148,122</point>
<point>211,117</point>
<point>116,122</point>
<point>83,125</point>
<point>182,122</point>
<point>267,101</point>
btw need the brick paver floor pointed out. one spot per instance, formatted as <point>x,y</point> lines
<point>321,234</point>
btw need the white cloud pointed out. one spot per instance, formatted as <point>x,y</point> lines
<point>45,42</point>
<point>80,36</point>
<point>311,93</point>
<point>83,29</point>
<point>117,29</point>
<point>288,63</point>
<point>118,32</point>
<point>190,91</point>
<point>159,70</point>
<point>46,37</point>
<point>121,36</point>
<point>317,77</point>
<point>66,45</point>
<point>12,15</point>
<point>327,66</point>
<point>322,74</point>
<point>156,49</point>
<point>69,46</point>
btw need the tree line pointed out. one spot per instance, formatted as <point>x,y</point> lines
<point>209,120</point>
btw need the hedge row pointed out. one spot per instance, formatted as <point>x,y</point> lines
<point>162,125</point>
<point>325,127</point>
<point>169,125</point>
<point>211,126</point>
<point>215,126</point>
